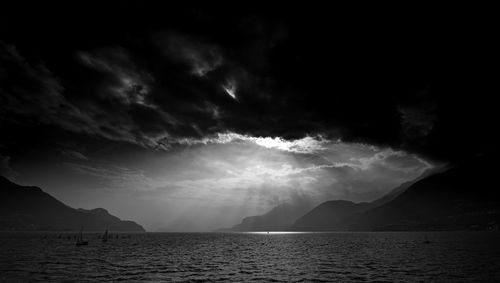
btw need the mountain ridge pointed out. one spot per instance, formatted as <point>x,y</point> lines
<point>270,221</point>
<point>458,198</point>
<point>279,218</point>
<point>30,208</point>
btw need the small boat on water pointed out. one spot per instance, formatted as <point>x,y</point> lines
<point>426,241</point>
<point>79,240</point>
<point>105,236</point>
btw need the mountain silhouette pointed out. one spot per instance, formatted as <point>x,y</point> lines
<point>328,214</point>
<point>456,199</point>
<point>299,215</point>
<point>277,219</point>
<point>30,208</point>
<point>332,215</point>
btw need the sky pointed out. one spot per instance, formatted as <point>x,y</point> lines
<point>189,118</point>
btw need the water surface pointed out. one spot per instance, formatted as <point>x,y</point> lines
<point>279,257</point>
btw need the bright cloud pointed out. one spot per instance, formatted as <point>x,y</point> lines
<point>304,145</point>
<point>230,88</point>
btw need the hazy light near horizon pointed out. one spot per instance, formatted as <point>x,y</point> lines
<point>276,232</point>
<point>214,182</point>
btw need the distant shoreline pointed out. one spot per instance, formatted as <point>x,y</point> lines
<point>239,232</point>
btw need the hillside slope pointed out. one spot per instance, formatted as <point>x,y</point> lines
<point>30,208</point>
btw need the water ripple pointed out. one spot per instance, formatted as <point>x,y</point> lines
<point>244,257</point>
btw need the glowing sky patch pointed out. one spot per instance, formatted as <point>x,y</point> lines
<point>307,144</point>
<point>230,176</point>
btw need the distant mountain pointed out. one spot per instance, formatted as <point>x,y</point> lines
<point>392,194</point>
<point>277,219</point>
<point>30,208</point>
<point>328,215</point>
<point>460,198</point>
<point>299,216</point>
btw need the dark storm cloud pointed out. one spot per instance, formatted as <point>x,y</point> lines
<point>200,57</point>
<point>416,123</point>
<point>5,168</point>
<point>29,90</point>
<point>153,76</point>
<point>124,83</point>
<point>113,98</point>
<point>33,94</point>
<point>114,107</point>
<point>184,86</point>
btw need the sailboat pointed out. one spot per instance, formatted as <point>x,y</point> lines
<point>105,236</point>
<point>79,240</point>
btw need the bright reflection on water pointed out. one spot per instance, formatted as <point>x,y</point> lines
<point>261,257</point>
<point>277,233</point>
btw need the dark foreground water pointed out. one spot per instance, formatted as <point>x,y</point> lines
<point>344,257</point>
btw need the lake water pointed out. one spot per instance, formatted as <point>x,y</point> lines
<point>345,257</point>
